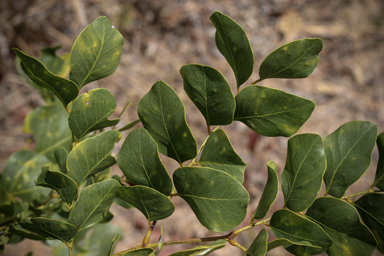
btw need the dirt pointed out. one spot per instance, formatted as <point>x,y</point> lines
<point>163,35</point>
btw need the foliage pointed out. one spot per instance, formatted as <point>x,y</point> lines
<point>61,192</point>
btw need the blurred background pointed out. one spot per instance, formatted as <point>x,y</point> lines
<point>163,35</point>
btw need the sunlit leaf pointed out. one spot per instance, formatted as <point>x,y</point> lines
<point>348,152</point>
<point>342,223</point>
<point>218,200</point>
<point>93,204</point>
<point>379,178</point>
<point>163,115</point>
<point>303,173</point>
<point>260,245</point>
<point>271,112</point>
<point>62,88</point>
<point>153,204</point>
<point>296,59</point>
<point>210,92</point>
<point>90,112</point>
<point>219,154</point>
<point>202,249</point>
<point>139,160</point>
<point>270,192</point>
<point>289,225</point>
<point>91,156</point>
<point>233,43</point>
<point>96,52</point>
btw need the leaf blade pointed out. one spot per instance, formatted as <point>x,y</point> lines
<point>259,246</point>
<point>379,177</point>
<point>58,229</point>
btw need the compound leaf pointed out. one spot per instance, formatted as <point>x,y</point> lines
<point>140,162</point>
<point>234,45</point>
<point>371,210</point>
<point>202,249</point>
<point>163,115</point>
<point>153,204</point>
<point>219,154</point>
<point>96,52</point>
<point>210,92</point>
<point>64,185</point>
<point>259,246</point>
<point>270,192</point>
<point>296,59</point>
<point>272,112</point>
<point>342,223</point>
<point>303,173</point>
<point>289,225</point>
<point>62,88</point>
<point>379,178</point>
<point>90,112</point>
<point>218,200</point>
<point>91,156</point>
<point>93,204</point>
<point>58,229</point>
<point>348,151</point>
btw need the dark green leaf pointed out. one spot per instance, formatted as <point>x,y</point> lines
<point>130,125</point>
<point>61,155</point>
<point>210,92</point>
<point>219,154</point>
<point>90,112</point>
<point>272,112</point>
<point>202,249</point>
<point>138,252</point>
<point>379,178</point>
<point>64,89</point>
<point>259,245</point>
<point>163,115</point>
<point>7,210</point>
<point>91,156</point>
<point>371,209</point>
<point>289,225</point>
<point>122,203</point>
<point>233,43</point>
<point>342,223</point>
<point>296,59</point>
<point>49,127</point>
<point>26,233</point>
<point>57,65</point>
<point>64,185</point>
<point>285,242</point>
<point>270,192</point>
<point>153,204</point>
<point>303,173</point>
<point>348,151</point>
<point>58,229</point>
<point>93,204</point>
<point>218,200</point>
<point>96,52</point>
<point>20,171</point>
<point>139,160</point>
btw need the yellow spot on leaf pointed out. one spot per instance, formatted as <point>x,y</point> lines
<point>285,48</point>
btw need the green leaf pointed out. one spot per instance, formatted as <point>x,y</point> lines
<point>58,229</point>
<point>61,155</point>
<point>342,223</point>
<point>62,88</point>
<point>163,115</point>
<point>379,178</point>
<point>57,65</point>
<point>64,185</point>
<point>270,192</point>
<point>234,45</point>
<point>130,125</point>
<point>93,204</point>
<point>289,225</point>
<point>102,239</point>
<point>218,200</point>
<point>16,230</point>
<point>259,245</point>
<point>90,112</point>
<point>115,239</point>
<point>202,249</point>
<point>219,154</point>
<point>49,127</point>
<point>210,92</point>
<point>91,156</point>
<point>19,173</point>
<point>272,112</point>
<point>153,204</point>
<point>138,252</point>
<point>303,173</point>
<point>348,151</point>
<point>371,210</point>
<point>96,52</point>
<point>285,242</point>
<point>296,59</point>
<point>139,160</point>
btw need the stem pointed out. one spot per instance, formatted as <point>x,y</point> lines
<point>235,243</point>
<point>360,193</point>
<point>7,222</point>
<point>238,89</point>
<point>201,147</point>
<point>208,129</point>
<point>66,108</point>
<point>255,82</point>
<point>148,235</point>
<point>69,245</point>
<point>52,195</point>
